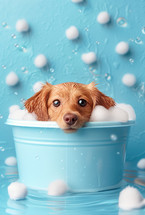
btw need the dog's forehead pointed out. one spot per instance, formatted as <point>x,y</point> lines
<point>70,88</point>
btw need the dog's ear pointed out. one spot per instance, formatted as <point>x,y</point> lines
<point>38,103</point>
<point>99,98</point>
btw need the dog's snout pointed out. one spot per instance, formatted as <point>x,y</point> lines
<point>70,118</point>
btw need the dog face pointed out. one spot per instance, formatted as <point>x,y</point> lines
<point>69,104</point>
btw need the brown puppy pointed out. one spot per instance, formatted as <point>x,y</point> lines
<point>69,104</point>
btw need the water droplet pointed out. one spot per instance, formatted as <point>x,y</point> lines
<point>13,36</point>
<point>5,25</point>
<point>113,137</point>
<point>97,42</point>
<point>143,30</point>
<point>108,77</point>
<point>52,70</point>
<point>61,160</point>
<point>51,80</point>
<point>2,176</point>
<point>23,100</point>
<point>121,22</point>
<point>86,29</point>
<point>37,157</point>
<point>118,153</point>
<point>131,60</point>
<point>24,70</point>
<point>138,41</point>
<point>1,117</point>
<point>2,149</point>
<point>3,66</point>
<point>74,51</point>
<point>16,93</point>
<point>20,48</point>
<point>80,11</point>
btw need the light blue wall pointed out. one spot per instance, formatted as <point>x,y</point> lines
<point>48,21</point>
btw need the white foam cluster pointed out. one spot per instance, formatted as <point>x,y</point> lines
<point>130,198</point>
<point>141,163</point>
<point>22,25</point>
<point>122,48</point>
<point>12,79</point>
<point>129,80</point>
<point>89,57</point>
<point>77,1</point>
<point>103,17</point>
<point>11,161</point>
<point>17,191</point>
<point>100,113</point>
<point>57,188</point>
<point>129,109</point>
<point>18,114</point>
<point>72,33</point>
<point>13,108</point>
<point>40,61</point>
<point>37,86</point>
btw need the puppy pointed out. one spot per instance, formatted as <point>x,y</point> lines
<point>69,104</point>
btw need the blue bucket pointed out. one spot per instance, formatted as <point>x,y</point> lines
<point>91,159</point>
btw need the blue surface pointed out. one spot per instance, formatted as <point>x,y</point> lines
<point>48,22</point>
<point>101,203</point>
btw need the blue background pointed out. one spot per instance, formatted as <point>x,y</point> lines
<point>48,21</point>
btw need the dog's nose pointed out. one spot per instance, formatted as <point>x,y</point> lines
<point>70,118</point>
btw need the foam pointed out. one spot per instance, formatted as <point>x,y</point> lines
<point>77,1</point>
<point>122,48</point>
<point>129,80</point>
<point>37,86</point>
<point>89,57</point>
<point>12,79</point>
<point>103,17</point>
<point>19,114</point>
<point>57,188</point>
<point>129,109</point>
<point>141,163</point>
<point>40,61</point>
<point>17,191</point>
<point>11,161</point>
<point>22,25</point>
<point>100,113</point>
<point>72,33</point>
<point>130,198</point>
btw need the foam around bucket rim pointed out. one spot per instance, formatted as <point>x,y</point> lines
<point>52,124</point>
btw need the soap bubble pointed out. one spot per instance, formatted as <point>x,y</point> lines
<point>121,22</point>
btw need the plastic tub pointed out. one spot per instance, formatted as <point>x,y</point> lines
<point>91,159</point>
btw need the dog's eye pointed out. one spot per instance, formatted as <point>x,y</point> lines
<point>82,102</point>
<point>56,103</point>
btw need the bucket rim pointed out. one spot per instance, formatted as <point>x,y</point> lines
<point>52,124</point>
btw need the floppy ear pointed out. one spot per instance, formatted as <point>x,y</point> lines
<point>38,103</point>
<point>99,98</point>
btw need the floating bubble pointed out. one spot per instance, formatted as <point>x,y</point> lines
<point>121,22</point>
<point>131,60</point>
<point>13,36</point>
<point>108,77</point>
<point>1,116</point>
<point>86,29</point>
<point>113,137</point>
<point>51,80</point>
<point>2,149</point>
<point>5,25</point>
<point>143,30</point>
<point>138,41</point>
<point>20,48</point>
<point>24,70</point>
<point>97,42</point>
<point>37,157</point>
<point>52,70</point>
<point>3,66</point>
